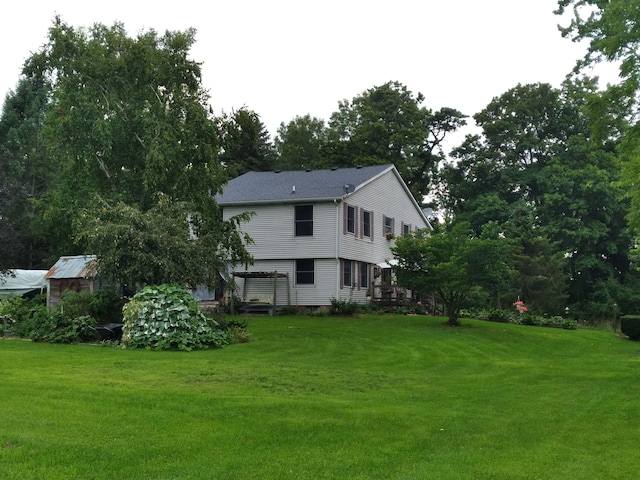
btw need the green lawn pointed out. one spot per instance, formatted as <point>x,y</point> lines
<point>377,397</point>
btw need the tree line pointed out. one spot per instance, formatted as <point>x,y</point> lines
<point>108,145</point>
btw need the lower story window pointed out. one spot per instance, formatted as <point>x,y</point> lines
<point>347,273</point>
<point>364,275</point>
<point>305,272</point>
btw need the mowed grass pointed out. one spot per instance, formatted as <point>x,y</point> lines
<point>376,397</point>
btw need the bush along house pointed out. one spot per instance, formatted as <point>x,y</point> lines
<point>322,234</point>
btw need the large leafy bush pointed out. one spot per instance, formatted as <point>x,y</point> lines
<point>167,317</point>
<point>20,314</point>
<point>70,322</point>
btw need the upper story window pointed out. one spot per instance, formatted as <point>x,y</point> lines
<point>367,220</point>
<point>304,220</point>
<point>351,219</point>
<point>406,228</point>
<point>388,225</point>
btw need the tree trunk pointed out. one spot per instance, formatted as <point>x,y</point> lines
<point>453,320</point>
<point>452,304</point>
<point>451,307</point>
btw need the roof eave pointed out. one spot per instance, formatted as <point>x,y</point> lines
<point>280,201</point>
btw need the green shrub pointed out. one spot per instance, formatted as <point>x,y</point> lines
<point>319,312</point>
<point>70,322</point>
<point>235,330</point>
<point>58,327</point>
<point>106,307</point>
<point>238,335</point>
<point>288,310</point>
<point>21,315</point>
<point>500,315</point>
<point>416,308</point>
<point>344,307</point>
<point>75,304</point>
<point>167,317</point>
<point>509,316</point>
<point>630,326</point>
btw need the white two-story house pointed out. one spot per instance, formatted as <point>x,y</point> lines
<point>327,233</point>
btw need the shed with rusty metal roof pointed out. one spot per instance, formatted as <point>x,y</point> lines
<point>76,273</point>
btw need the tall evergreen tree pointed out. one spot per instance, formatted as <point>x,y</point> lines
<point>26,165</point>
<point>245,143</point>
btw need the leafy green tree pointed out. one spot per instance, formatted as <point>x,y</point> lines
<point>299,144</point>
<point>388,124</point>
<point>538,167</point>
<point>157,246</point>
<point>129,126</point>
<point>11,247</point>
<point>451,264</point>
<point>26,164</point>
<point>245,142</point>
<point>611,28</point>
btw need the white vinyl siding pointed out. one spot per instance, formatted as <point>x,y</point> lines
<point>384,197</point>
<point>273,232</point>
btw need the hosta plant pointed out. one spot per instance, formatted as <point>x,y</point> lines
<point>167,317</point>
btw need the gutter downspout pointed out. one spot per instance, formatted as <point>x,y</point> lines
<point>337,249</point>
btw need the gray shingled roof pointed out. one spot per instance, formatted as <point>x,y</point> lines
<point>255,187</point>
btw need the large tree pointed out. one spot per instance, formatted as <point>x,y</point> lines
<point>299,144</point>
<point>11,244</point>
<point>25,164</point>
<point>540,172</point>
<point>388,124</point>
<point>612,29</point>
<point>451,263</point>
<point>156,246</point>
<point>245,142</point>
<point>129,124</point>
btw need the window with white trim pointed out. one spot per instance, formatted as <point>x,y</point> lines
<point>364,275</point>
<point>367,221</point>
<point>347,273</point>
<point>388,224</point>
<point>305,271</point>
<point>304,220</point>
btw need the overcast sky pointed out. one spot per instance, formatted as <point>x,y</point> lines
<point>283,58</point>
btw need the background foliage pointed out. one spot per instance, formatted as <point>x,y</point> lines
<point>106,130</point>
